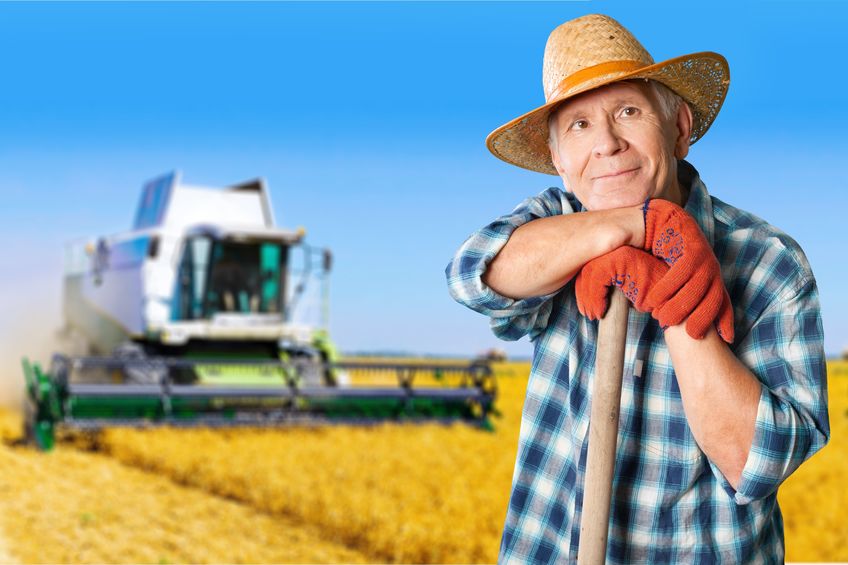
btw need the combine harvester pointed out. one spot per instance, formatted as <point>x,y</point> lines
<point>191,318</point>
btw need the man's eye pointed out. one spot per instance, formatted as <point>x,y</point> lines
<point>579,124</point>
<point>630,111</point>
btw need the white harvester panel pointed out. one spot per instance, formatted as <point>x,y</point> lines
<point>166,203</point>
<point>200,263</point>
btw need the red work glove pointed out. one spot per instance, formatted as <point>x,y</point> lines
<point>630,269</point>
<point>692,289</point>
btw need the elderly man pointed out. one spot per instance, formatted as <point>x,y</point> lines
<point>724,394</point>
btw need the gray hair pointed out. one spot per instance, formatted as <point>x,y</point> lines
<point>668,100</point>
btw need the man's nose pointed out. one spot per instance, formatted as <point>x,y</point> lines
<point>608,141</point>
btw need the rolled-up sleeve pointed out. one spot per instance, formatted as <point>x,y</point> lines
<point>511,319</point>
<point>785,352</point>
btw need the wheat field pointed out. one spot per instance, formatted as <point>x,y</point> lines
<point>388,493</point>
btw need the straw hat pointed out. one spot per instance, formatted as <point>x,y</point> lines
<point>595,50</point>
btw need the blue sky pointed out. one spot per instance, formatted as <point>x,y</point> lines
<point>369,120</point>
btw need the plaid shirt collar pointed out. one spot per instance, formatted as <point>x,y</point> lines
<point>699,205</point>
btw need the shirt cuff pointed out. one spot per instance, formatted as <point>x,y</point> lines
<point>772,455</point>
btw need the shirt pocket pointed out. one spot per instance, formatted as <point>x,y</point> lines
<point>669,434</point>
<point>679,444</point>
<point>684,449</point>
<point>686,452</point>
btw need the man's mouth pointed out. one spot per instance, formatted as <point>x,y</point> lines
<point>617,174</point>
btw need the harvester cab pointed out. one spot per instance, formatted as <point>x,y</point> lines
<point>207,313</point>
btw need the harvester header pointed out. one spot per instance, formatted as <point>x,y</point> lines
<point>204,313</point>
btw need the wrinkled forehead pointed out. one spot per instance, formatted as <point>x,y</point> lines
<point>637,90</point>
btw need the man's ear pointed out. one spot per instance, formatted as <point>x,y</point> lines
<point>684,131</point>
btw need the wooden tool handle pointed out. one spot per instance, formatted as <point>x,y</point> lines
<point>603,432</point>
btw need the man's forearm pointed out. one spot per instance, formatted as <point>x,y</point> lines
<point>720,397</point>
<point>542,255</point>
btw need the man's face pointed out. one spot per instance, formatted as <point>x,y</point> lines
<point>612,147</point>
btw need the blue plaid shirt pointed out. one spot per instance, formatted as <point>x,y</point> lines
<point>670,503</point>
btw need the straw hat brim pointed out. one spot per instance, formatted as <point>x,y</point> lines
<point>701,79</point>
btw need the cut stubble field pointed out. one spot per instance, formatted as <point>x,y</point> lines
<point>388,493</point>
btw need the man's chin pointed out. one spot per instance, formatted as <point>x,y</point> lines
<point>612,201</point>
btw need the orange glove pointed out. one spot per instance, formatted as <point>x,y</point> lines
<point>630,269</point>
<point>692,289</point>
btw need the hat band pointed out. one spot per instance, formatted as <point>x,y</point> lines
<point>584,75</point>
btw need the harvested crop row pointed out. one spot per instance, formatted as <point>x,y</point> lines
<point>401,493</point>
<point>74,507</point>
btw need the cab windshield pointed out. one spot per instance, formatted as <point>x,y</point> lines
<point>230,277</point>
